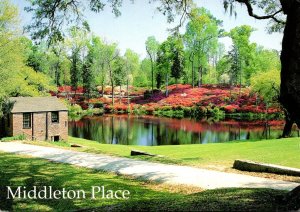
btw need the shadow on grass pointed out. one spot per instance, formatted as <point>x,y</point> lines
<point>212,200</point>
<point>20,171</point>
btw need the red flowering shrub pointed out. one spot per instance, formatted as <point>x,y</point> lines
<point>70,89</point>
<point>231,108</point>
<point>230,99</point>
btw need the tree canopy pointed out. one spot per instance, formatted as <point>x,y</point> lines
<point>50,18</point>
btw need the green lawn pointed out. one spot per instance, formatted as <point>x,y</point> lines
<point>284,152</point>
<point>24,171</point>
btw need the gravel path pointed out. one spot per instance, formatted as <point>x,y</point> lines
<point>171,174</point>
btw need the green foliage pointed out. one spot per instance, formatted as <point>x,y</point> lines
<point>242,54</point>
<point>75,110</point>
<point>201,40</point>
<point>152,46</point>
<point>75,69</point>
<point>170,113</point>
<point>20,137</point>
<point>51,60</point>
<point>245,59</point>
<point>99,66</point>
<point>78,44</point>
<point>191,112</point>
<point>178,59</point>
<point>164,57</point>
<point>16,79</point>
<point>119,71</point>
<point>36,58</point>
<point>143,78</point>
<point>132,67</point>
<point>267,85</point>
<point>87,72</point>
<point>31,83</point>
<point>138,110</point>
<point>267,60</point>
<point>170,60</point>
<point>58,63</point>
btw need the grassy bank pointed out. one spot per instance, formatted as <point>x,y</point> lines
<point>29,172</point>
<point>284,152</point>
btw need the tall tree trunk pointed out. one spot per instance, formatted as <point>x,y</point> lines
<point>167,84</point>
<point>193,77</point>
<point>120,100</point>
<point>128,100</point>
<point>152,70</point>
<point>241,75</point>
<point>57,75</point>
<point>200,73</point>
<point>290,70</point>
<point>113,93</point>
<point>201,76</point>
<point>112,85</point>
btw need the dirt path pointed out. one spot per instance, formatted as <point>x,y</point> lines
<point>171,174</point>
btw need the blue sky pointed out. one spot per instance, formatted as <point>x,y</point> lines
<point>141,20</point>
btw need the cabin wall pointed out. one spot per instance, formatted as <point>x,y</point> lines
<point>42,127</point>
<point>58,129</point>
<point>39,126</point>
<point>17,126</point>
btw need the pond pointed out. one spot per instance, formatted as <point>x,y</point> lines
<point>155,131</point>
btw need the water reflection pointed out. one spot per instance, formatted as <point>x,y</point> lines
<point>155,131</point>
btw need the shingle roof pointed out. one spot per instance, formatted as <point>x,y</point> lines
<point>37,104</point>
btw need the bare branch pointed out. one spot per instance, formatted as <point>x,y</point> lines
<point>252,14</point>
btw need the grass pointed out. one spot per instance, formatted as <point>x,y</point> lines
<point>24,171</point>
<point>13,138</point>
<point>284,152</point>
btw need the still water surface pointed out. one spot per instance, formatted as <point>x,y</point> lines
<point>154,131</point>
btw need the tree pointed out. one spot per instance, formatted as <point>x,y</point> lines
<point>178,60</point>
<point>16,79</point>
<point>243,52</point>
<point>164,61</point>
<point>267,59</point>
<point>87,73</point>
<point>59,63</point>
<point>10,47</point>
<point>77,42</point>
<point>201,39</point>
<point>36,58</point>
<point>170,60</point>
<point>75,69</point>
<point>235,70</point>
<point>111,54</point>
<point>290,63</point>
<point>99,65</point>
<point>132,68</point>
<point>119,73</point>
<point>152,46</point>
<point>267,84</point>
<point>143,78</point>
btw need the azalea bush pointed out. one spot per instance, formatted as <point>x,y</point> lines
<point>185,101</point>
